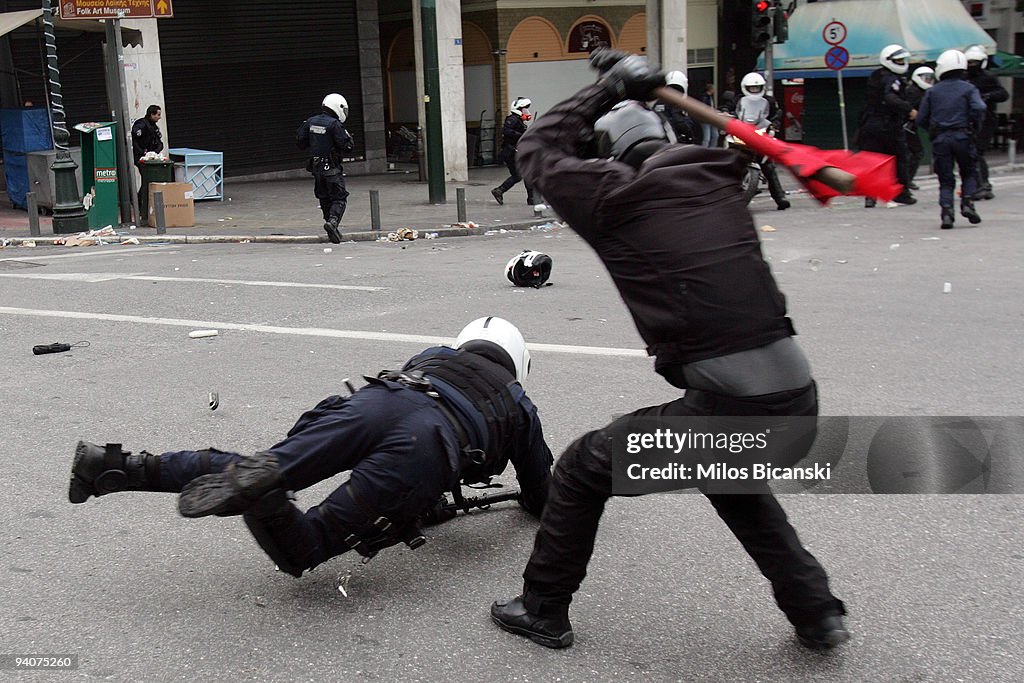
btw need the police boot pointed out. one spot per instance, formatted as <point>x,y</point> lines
<point>824,634</point>
<point>869,202</point>
<point>550,630</point>
<point>947,218</point>
<point>498,195</point>
<point>283,533</point>
<point>968,211</point>
<point>99,470</point>
<point>232,491</point>
<point>905,198</point>
<point>331,226</point>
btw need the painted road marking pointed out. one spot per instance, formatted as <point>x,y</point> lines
<point>80,254</point>
<point>106,277</point>
<point>308,331</point>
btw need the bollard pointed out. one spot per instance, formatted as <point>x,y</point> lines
<point>33,214</point>
<point>158,212</point>
<point>460,203</point>
<point>1011,150</point>
<point>375,210</point>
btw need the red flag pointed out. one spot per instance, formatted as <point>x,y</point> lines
<point>873,174</point>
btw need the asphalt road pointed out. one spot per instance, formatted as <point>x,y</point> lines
<point>932,582</point>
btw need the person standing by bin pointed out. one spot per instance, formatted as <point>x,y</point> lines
<point>327,141</point>
<point>146,138</point>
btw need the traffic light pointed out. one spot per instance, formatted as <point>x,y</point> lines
<point>761,22</point>
<point>780,25</point>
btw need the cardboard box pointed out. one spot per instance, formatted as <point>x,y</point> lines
<point>179,207</point>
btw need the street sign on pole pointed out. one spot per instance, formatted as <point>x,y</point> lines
<point>116,9</point>
<point>834,32</point>
<point>836,58</point>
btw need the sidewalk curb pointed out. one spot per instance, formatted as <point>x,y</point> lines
<point>357,236</point>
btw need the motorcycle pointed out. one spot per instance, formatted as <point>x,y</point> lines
<point>752,181</point>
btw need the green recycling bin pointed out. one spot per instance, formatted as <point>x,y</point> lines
<point>155,171</point>
<point>99,172</point>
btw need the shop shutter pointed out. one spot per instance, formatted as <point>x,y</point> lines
<point>241,76</point>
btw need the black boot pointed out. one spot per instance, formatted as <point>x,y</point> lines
<point>869,202</point>
<point>947,218</point>
<point>99,470</point>
<point>331,226</point>
<point>824,634</point>
<point>232,491</point>
<point>968,211</point>
<point>549,631</point>
<point>905,198</point>
<point>498,195</point>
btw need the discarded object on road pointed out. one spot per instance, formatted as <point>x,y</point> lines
<point>57,347</point>
<point>197,334</point>
<point>403,234</point>
<point>214,400</point>
<point>529,269</point>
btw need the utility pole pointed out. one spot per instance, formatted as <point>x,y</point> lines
<point>432,103</point>
<point>69,214</point>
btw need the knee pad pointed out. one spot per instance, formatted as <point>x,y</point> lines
<point>283,533</point>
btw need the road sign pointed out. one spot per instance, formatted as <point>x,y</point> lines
<point>837,57</point>
<point>116,9</point>
<point>834,32</point>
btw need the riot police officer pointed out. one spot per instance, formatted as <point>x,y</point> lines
<point>146,138</point>
<point>327,141</point>
<point>991,94</point>
<point>450,415</point>
<point>952,111</point>
<point>513,129</point>
<point>686,129</point>
<point>921,80</point>
<point>885,110</point>
<point>757,110</point>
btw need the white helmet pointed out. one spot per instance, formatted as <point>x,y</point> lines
<point>894,58</point>
<point>924,77</point>
<point>976,53</point>
<point>753,84</point>
<point>519,104</point>
<point>529,269</point>
<point>337,104</point>
<point>950,60</point>
<point>678,80</point>
<point>489,335</point>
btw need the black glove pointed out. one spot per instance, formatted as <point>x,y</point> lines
<point>605,58</point>
<point>632,78</point>
<point>437,514</point>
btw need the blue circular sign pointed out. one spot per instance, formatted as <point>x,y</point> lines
<point>837,57</point>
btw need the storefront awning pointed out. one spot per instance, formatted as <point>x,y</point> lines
<point>12,20</point>
<point>1006,64</point>
<point>925,27</point>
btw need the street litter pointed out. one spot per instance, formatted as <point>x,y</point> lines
<point>28,243</point>
<point>767,228</point>
<point>930,238</point>
<point>469,224</point>
<point>815,264</point>
<point>197,334</point>
<point>947,287</point>
<point>89,238</point>
<point>328,250</point>
<point>430,236</point>
<point>130,240</point>
<point>214,400</point>
<point>545,227</point>
<point>403,234</point>
<point>842,260</point>
<point>893,247</point>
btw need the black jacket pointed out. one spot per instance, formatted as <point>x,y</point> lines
<point>675,236</point>
<point>506,411</point>
<point>687,130</point>
<point>146,137</point>
<point>327,141</point>
<point>992,93</point>
<point>885,102</point>
<point>512,130</point>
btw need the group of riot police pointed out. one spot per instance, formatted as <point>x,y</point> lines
<point>953,103</point>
